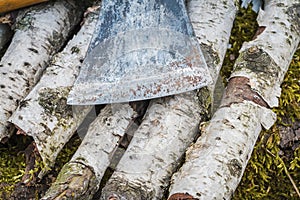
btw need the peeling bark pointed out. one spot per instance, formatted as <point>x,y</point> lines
<point>265,60</point>
<point>44,113</point>
<point>215,163</point>
<point>171,123</point>
<point>52,23</point>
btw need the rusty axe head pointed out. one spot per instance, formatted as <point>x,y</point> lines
<point>141,49</point>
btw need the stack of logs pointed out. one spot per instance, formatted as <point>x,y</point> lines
<point>171,149</point>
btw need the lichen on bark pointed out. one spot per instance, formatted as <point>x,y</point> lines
<point>54,101</point>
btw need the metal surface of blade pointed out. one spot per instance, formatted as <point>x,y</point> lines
<point>141,49</point>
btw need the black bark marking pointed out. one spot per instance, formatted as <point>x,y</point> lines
<point>20,72</point>
<point>240,152</point>
<point>33,50</point>
<point>27,64</point>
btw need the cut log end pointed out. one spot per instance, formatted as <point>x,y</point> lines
<point>75,181</point>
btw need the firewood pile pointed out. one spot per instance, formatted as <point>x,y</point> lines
<point>156,147</point>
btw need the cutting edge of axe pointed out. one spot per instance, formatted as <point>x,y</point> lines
<point>141,49</point>
<point>9,5</point>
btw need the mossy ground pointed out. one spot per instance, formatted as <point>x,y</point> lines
<point>12,164</point>
<point>271,167</point>
<point>12,168</point>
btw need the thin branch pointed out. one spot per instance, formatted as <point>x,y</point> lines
<point>286,171</point>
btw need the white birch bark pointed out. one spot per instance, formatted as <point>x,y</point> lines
<point>39,33</point>
<point>215,163</point>
<point>80,178</point>
<point>44,113</point>
<point>171,123</point>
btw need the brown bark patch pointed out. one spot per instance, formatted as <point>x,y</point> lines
<point>182,196</point>
<point>239,90</point>
<point>259,31</point>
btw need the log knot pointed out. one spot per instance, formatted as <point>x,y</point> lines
<point>257,59</point>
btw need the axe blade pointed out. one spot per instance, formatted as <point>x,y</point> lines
<point>141,49</point>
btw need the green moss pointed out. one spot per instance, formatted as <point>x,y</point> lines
<point>290,95</point>
<point>265,177</point>
<point>244,29</point>
<point>12,164</point>
<point>204,95</point>
<point>67,152</point>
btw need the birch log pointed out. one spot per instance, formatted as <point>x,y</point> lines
<point>171,123</point>
<point>39,33</point>
<point>80,178</point>
<point>215,163</point>
<point>44,113</point>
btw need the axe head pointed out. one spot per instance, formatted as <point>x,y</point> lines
<point>141,49</point>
